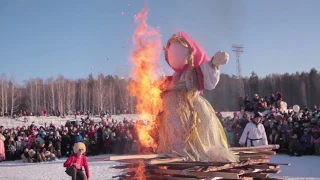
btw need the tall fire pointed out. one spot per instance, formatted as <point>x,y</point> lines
<point>145,72</point>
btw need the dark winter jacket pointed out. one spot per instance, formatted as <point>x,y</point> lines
<point>78,138</point>
<point>306,141</point>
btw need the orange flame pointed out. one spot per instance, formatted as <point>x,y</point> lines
<point>140,171</point>
<point>146,70</point>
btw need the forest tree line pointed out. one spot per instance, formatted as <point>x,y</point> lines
<point>109,93</point>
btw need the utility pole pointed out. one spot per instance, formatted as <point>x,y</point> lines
<point>239,49</point>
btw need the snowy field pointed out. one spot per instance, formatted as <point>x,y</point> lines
<point>305,167</point>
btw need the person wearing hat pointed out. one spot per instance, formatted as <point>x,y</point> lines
<point>254,133</point>
<point>75,163</point>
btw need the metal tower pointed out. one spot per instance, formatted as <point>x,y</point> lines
<point>239,49</point>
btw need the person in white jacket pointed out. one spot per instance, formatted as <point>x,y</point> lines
<point>254,133</point>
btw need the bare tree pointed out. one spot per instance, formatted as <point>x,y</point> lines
<point>52,93</point>
<point>100,92</point>
<point>14,95</point>
<point>70,94</point>
<point>60,93</point>
<point>31,94</point>
<point>83,94</point>
<point>3,92</point>
<point>44,89</point>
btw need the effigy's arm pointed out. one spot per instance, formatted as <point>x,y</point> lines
<point>211,69</point>
<point>211,75</point>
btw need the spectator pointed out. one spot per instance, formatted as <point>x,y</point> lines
<point>254,133</point>
<point>306,142</point>
<point>2,148</point>
<point>295,147</point>
<point>75,163</point>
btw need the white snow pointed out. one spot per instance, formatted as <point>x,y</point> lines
<point>305,167</point>
<point>17,170</point>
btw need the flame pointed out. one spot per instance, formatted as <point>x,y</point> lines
<point>140,171</point>
<point>145,72</point>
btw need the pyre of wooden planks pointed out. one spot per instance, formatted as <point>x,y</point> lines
<point>254,164</point>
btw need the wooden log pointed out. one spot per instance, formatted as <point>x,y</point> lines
<point>275,146</point>
<point>148,156</point>
<point>198,174</point>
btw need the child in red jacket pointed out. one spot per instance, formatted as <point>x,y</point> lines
<point>75,163</point>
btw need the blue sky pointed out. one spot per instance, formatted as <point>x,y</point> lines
<point>47,38</point>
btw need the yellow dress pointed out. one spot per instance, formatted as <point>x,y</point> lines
<point>189,127</point>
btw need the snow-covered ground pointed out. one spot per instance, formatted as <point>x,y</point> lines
<point>305,167</point>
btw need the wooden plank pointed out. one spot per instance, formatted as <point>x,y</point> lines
<point>180,178</point>
<point>274,146</point>
<point>238,171</point>
<point>269,152</point>
<point>273,171</point>
<point>163,161</point>
<point>278,164</point>
<point>255,156</point>
<point>257,153</point>
<point>244,158</point>
<point>257,175</point>
<point>262,166</point>
<point>124,157</point>
<point>237,165</point>
<point>198,174</point>
<point>247,178</point>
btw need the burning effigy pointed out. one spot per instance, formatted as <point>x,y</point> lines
<point>187,124</point>
<point>179,133</point>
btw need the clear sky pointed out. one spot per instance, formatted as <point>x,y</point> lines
<point>46,38</point>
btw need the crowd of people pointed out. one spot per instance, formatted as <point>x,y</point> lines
<point>38,144</point>
<point>297,133</point>
<point>260,103</point>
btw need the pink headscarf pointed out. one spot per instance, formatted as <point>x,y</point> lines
<point>199,57</point>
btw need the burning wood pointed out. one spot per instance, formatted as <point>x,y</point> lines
<point>255,165</point>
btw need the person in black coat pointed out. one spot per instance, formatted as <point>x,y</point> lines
<point>57,144</point>
<point>65,144</point>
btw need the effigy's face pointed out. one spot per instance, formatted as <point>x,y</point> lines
<point>177,55</point>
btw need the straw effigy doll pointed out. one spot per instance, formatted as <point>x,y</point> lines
<point>188,125</point>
